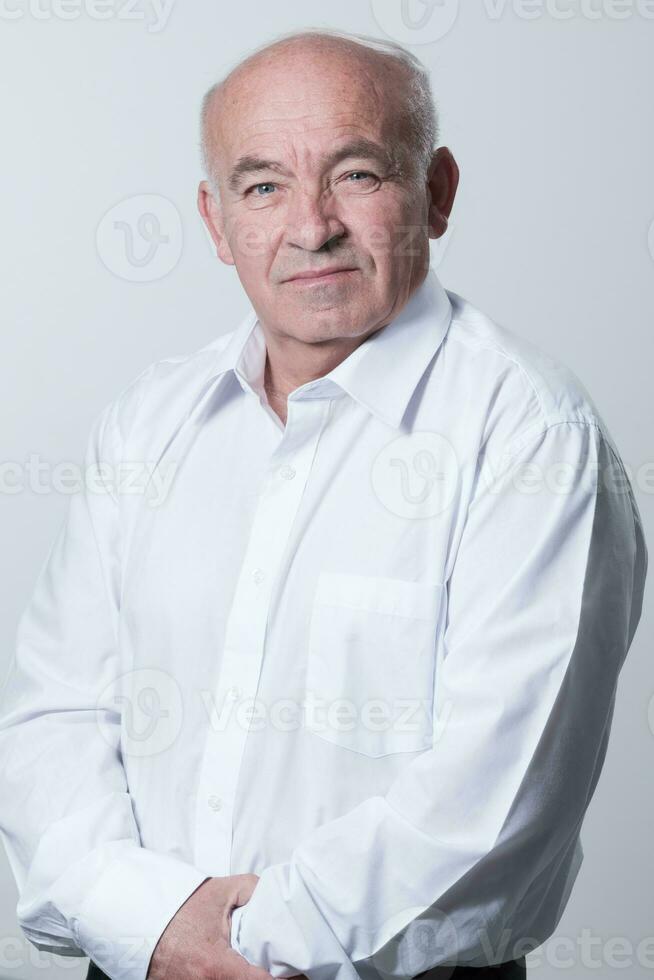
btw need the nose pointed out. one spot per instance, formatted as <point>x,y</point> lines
<point>312,224</point>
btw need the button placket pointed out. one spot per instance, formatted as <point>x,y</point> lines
<point>245,631</point>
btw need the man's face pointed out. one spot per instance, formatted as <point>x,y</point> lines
<point>337,191</point>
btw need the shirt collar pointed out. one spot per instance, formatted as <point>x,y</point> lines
<point>381,374</point>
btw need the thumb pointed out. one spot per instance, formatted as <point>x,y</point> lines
<point>245,885</point>
<point>241,888</point>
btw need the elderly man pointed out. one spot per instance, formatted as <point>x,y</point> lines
<point>336,706</point>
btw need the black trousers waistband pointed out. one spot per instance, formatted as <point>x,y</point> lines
<point>512,970</point>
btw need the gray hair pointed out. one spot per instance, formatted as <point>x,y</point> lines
<point>422,114</point>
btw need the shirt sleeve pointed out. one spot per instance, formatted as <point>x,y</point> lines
<point>543,599</point>
<point>86,885</point>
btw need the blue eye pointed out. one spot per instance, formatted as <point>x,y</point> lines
<point>363,173</point>
<point>258,186</point>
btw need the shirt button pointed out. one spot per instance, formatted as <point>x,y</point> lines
<point>258,575</point>
<point>287,472</point>
<point>215,803</point>
<point>234,692</point>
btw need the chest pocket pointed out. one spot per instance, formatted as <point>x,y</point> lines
<point>371,662</point>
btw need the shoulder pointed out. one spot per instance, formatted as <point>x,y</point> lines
<point>157,399</point>
<point>523,388</point>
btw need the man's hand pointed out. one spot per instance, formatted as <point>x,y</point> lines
<point>195,945</point>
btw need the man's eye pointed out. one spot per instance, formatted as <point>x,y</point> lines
<point>257,186</point>
<point>360,173</point>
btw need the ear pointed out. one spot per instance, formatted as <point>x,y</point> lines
<point>212,215</point>
<point>442,183</point>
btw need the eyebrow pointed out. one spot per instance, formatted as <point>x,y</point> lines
<point>361,148</point>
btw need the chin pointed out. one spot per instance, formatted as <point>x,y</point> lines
<point>323,326</point>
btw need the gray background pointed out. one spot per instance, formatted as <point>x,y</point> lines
<point>550,121</point>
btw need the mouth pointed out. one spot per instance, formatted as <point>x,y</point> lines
<point>322,276</point>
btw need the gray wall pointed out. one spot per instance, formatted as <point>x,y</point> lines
<point>549,116</point>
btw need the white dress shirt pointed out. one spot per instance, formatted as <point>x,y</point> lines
<point>370,656</point>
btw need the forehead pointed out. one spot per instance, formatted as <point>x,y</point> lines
<point>306,99</point>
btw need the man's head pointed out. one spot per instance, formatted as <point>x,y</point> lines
<point>319,151</point>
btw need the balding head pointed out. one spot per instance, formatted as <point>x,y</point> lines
<point>399,79</point>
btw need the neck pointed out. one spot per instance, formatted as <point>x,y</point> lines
<point>291,363</point>
<point>280,386</point>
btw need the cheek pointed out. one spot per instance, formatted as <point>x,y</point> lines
<point>252,240</point>
<point>381,228</point>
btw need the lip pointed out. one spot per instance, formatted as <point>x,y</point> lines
<point>320,276</point>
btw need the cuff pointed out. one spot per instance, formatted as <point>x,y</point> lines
<point>128,909</point>
<point>282,930</point>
